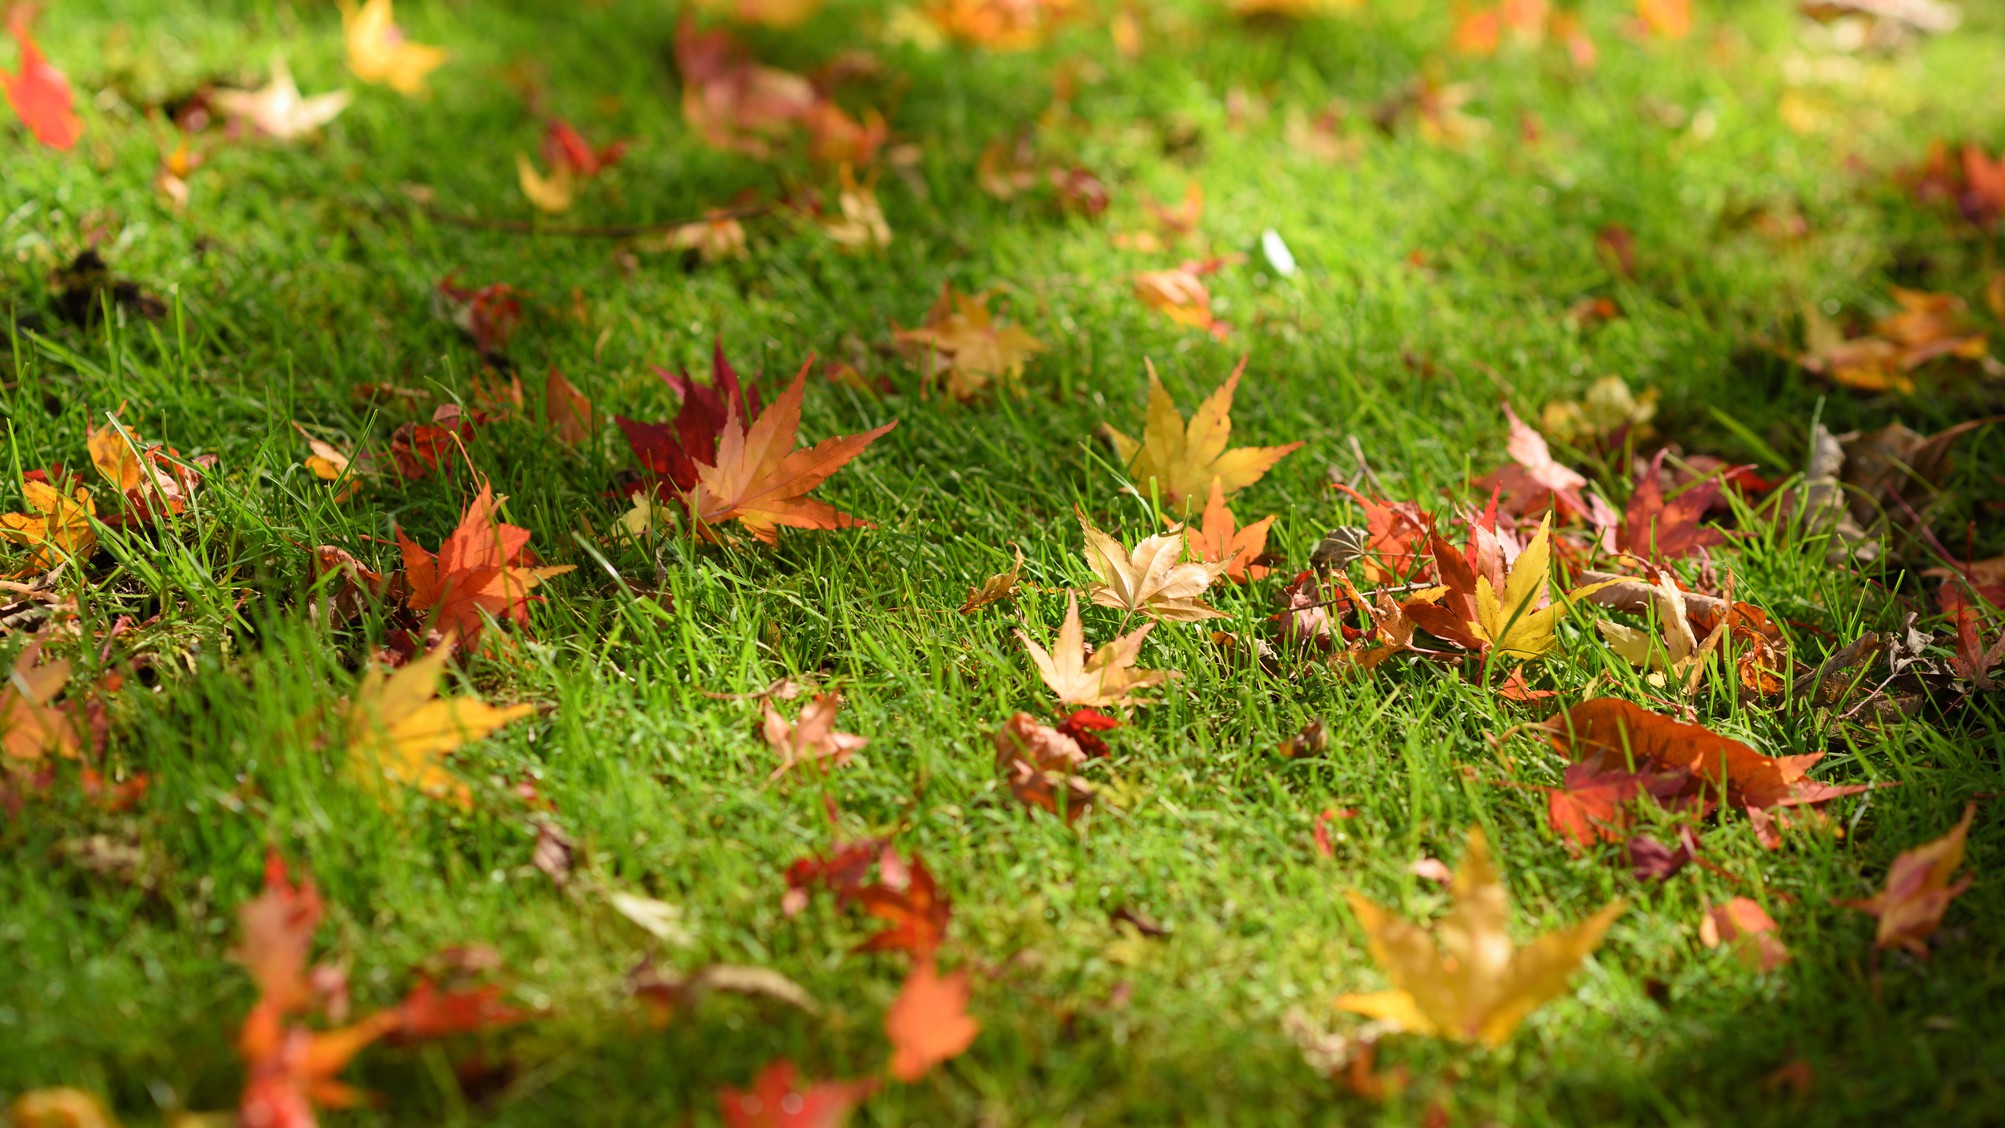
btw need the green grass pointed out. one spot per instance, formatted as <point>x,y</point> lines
<point>300,273</point>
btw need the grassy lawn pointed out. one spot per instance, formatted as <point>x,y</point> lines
<point>1452,218</point>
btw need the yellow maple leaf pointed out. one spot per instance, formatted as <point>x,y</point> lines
<point>961,331</point>
<point>1514,624</point>
<point>1468,981</point>
<point>399,728</point>
<point>554,193</point>
<point>1105,679</point>
<point>378,51</point>
<point>56,527</point>
<point>1184,459</point>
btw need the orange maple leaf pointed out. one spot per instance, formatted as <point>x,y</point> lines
<point>1919,890</point>
<point>917,913</point>
<point>40,93</point>
<point>761,481</point>
<point>929,1023</point>
<point>1218,542</point>
<point>484,567</point>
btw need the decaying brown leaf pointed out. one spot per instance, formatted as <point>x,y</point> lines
<point>1150,579</point>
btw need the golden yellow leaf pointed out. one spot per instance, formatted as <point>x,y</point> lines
<point>1468,981</point>
<point>961,332</point>
<point>1514,624</point>
<point>1150,579</point>
<point>378,51</point>
<point>1183,460</point>
<point>399,728</point>
<point>56,527</point>
<point>554,193</point>
<point>1103,680</point>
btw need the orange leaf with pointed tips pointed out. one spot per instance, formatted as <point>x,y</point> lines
<point>1745,928</point>
<point>57,527</point>
<point>483,568</point>
<point>30,728</point>
<point>760,481</point>
<point>1217,541</point>
<point>1918,890</point>
<point>929,1023</point>
<point>39,92</point>
<point>777,1100</point>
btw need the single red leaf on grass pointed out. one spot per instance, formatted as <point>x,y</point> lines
<point>842,871</point>
<point>488,314</point>
<point>278,927</point>
<point>929,1023</point>
<point>1081,724</point>
<point>1394,532</point>
<point>565,147</point>
<point>418,449</point>
<point>38,91</point>
<point>1918,890</point>
<point>916,911</point>
<point>428,1012</point>
<point>778,1100</point>
<point>1655,529</point>
<point>484,566</point>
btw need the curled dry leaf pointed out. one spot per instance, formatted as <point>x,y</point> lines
<point>1180,461</point>
<point>1180,293</point>
<point>996,588</point>
<point>399,728</point>
<point>929,1022</point>
<point>1615,735</point>
<point>1919,890</point>
<point>664,992</point>
<point>777,1099</point>
<point>378,50</point>
<point>1150,579</point>
<point>811,738</point>
<point>1219,541</point>
<point>1040,763</point>
<point>1468,981</point>
<point>1747,930</point>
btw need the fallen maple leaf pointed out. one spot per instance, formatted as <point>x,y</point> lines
<point>39,92</point>
<point>965,349</point>
<point>1747,930</point>
<point>278,927</point>
<point>760,480</point>
<point>996,588</point>
<point>1180,293</point>
<point>566,412</point>
<point>1592,803</point>
<point>1657,530</point>
<point>1918,890</point>
<point>1182,460</point>
<point>59,1108</point>
<point>1514,624</point>
<point>1390,548</point>
<point>150,480</point>
<point>565,148</point>
<point>929,1023</point>
<point>379,52</point>
<point>672,451</point>
<point>553,194</point>
<point>1217,541</point>
<point>730,101</point>
<point>857,224</point>
<point>1680,650</point>
<point>278,110</point>
<point>487,314</point>
<point>399,728</point>
<point>1606,415</point>
<point>1102,681</point>
<point>777,1100</point>
<point>1618,735</point>
<point>56,527</point>
<point>31,729</point>
<point>811,738</point>
<point>916,911</point>
<point>1469,982</point>
<point>1149,579</point>
<point>999,25</point>
<point>483,568</point>
<point>1041,765</point>
<point>1534,481</point>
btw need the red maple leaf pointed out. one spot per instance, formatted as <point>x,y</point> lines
<point>672,451</point>
<point>777,1100</point>
<point>483,568</point>
<point>1658,530</point>
<point>564,146</point>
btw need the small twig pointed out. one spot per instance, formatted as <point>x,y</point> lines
<point>608,231</point>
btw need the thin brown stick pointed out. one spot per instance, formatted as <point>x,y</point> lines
<point>610,231</point>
